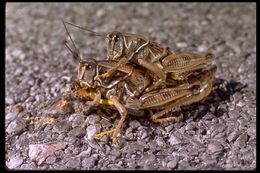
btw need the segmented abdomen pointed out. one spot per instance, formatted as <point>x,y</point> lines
<point>162,97</point>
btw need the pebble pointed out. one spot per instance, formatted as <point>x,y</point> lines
<point>15,162</point>
<point>143,133</point>
<point>9,100</point>
<point>233,135</point>
<point>92,119</point>
<point>73,163</point>
<point>62,126</point>
<point>146,159</point>
<point>29,166</point>
<point>173,163</point>
<point>78,121</point>
<point>132,147</point>
<point>241,140</point>
<point>10,116</point>
<point>174,140</point>
<point>77,132</point>
<point>51,160</point>
<point>135,124</point>
<point>214,147</point>
<point>16,126</point>
<point>89,162</point>
<point>160,142</point>
<point>91,131</point>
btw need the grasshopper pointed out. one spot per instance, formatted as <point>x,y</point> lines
<point>125,90</point>
<point>127,94</point>
<point>151,55</point>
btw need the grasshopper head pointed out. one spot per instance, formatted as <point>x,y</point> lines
<point>115,45</point>
<point>86,73</point>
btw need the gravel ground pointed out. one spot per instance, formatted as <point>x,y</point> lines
<point>219,133</point>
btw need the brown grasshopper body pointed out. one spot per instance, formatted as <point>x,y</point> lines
<point>122,98</point>
<point>151,55</point>
<point>129,87</point>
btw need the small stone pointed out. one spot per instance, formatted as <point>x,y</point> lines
<point>85,153</point>
<point>51,160</point>
<point>232,136</point>
<point>135,124</point>
<point>15,162</point>
<point>16,126</point>
<point>160,142</point>
<point>9,100</point>
<point>77,132</point>
<point>29,166</point>
<point>10,116</point>
<point>147,159</point>
<point>143,133</point>
<point>62,126</point>
<point>73,163</point>
<point>91,131</point>
<point>241,140</point>
<point>78,121</point>
<point>233,114</point>
<point>173,163</point>
<point>189,126</point>
<point>133,147</point>
<point>174,140</point>
<point>89,162</point>
<point>184,164</point>
<point>92,119</point>
<point>215,147</point>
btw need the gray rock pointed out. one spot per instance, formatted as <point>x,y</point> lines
<point>233,135</point>
<point>92,119</point>
<point>175,140</point>
<point>73,163</point>
<point>91,131</point>
<point>85,153</point>
<point>78,121</point>
<point>133,147</point>
<point>10,116</point>
<point>29,166</point>
<point>160,142</point>
<point>143,133</point>
<point>62,126</point>
<point>233,114</point>
<point>9,100</point>
<point>147,159</point>
<point>134,124</point>
<point>241,140</point>
<point>184,164</point>
<point>51,160</point>
<point>89,162</point>
<point>77,132</point>
<point>15,162</point>
<point>16,126</point>
<point>214,147</point>
<point>173,163</point>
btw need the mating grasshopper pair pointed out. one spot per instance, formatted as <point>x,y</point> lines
<point>141,75</point>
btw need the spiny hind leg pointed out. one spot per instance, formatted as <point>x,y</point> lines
<point>157,117</point>
<point>123,113</point>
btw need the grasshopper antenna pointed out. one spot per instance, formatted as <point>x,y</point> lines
<point>74,52</point>
<point>88,30</point>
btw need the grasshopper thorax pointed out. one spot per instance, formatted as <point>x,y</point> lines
<point>115,45</point>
